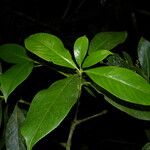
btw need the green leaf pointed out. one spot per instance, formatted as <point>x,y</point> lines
<point>95,57</point>
<point>53,105</point>
<point>123,83</point>
<point>13,77</point>
<point>146,146</point>
<point>144,55</point>
<point>106,40</point>
<point>116,60</point>
<point>128,59</point>
<point>13,138</point>
<point>80,49</point>
<point>139,114</point>
<point>49,48</point>
<point>13,53</point>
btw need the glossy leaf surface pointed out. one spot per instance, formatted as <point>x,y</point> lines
<point>13,138</point>
<point>13,53</point>
<point>144,55</point>
<point>123,83</point>
<point>106,40</point>
<point>13,77</point>
<point>48,108</point>
<point>49,48</point>
<point>139,114</point>
<point>95,57</point>
<point>80,49</point>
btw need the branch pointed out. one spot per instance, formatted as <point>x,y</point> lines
<point>76,122</point>
<point>91,117</point>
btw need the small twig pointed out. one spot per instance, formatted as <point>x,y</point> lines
<point>91,117</point>
<point>24,102</point>
<point>67,9</point>
<point>80,4</point>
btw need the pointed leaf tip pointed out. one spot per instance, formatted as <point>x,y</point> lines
<point>80,49</point>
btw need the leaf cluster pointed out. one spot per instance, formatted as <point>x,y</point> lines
<point>123,84</point>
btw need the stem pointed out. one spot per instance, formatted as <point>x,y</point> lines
<point>77,122</point>
<point>72,129</point>
<point>74,122</point>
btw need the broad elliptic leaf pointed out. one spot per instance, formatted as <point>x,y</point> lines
<point>80,49</point>
<point>95,57</point>
<point>144,55</point>
<point>48,108</point>
<point>123,83</point>
<point>13,77</point>
<point>13,138</point>
<point>49,48</point>
<point>139,114</point>
<point>13,53</point>
<point>106,40</point>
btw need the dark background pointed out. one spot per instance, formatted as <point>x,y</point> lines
<point>69,19</point>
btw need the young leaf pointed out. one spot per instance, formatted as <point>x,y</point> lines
<point>53,105</point>
<point>13,77</point>
<point>144,55</point>
<point>95,57</point>
<point>123,83</point>
<point>49,48</point>
<point>13,53</point>
<point>106,40</point>
<point>13,138</point>
<point>139,114</point>
<point>80,49</point>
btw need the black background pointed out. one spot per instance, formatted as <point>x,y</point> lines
<point>21,18</point>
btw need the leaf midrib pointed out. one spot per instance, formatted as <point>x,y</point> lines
<point>119,81</point>
<point>55,52</point>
